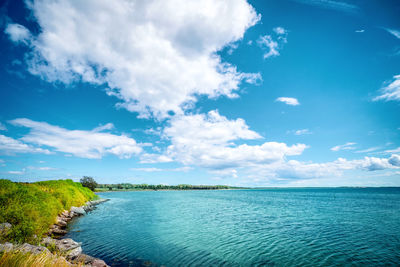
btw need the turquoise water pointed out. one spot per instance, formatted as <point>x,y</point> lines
<point>273,227</point>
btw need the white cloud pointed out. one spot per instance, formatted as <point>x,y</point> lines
<point>391,91</point>
<point>153,56</point>
<point>331,4</point>
<point>273,46</point>
<point>395,33</point>
<point>208,140</point>
<point>151,169</point>
<point>288,101</point>
<point>3,127</point>
<point>395,160</point>
<point>41,168</point>
<point>368,150</point>
<point>359,31</point>
<point>16,172</point>
<point>347,146</point>
<point>18,33</point>
<point>302,132</point>
<point>12,146</point>
<point>396,150</point>
<point>85,144</point>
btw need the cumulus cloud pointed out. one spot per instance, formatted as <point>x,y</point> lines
<point>210,141</point>
<point>10,146</point>
<point>154,57</point>
<point>85,144</point>
<point>395,160</point>
<point>347,146</point>
<point>288,101</point>
<point>18,33</point>
<point>272,46</point>
<point>390,91</point>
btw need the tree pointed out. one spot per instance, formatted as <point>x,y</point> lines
<point>88,182</point>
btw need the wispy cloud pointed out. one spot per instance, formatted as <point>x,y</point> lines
<point>368,150</point>
<point>347,146</point>
<point>390,92</point>
<point>359,31</point>
<point>396,150</point>
<point>272,45</point>
<point>331,4</point>
<point>288,101</point>
<point>302,132</point>
<point>394,32</point>
<point>17,172</point>
<point>3,127</point>
<point>181,169</point>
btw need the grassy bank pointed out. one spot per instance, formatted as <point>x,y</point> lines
<point>19,259</point>
<point>32,207</point>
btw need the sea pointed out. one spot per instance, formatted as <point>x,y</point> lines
<point>249,227</point>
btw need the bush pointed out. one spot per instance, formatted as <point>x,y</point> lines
<point>89,182</point>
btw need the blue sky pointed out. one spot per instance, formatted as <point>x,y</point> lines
<point>257,93</point>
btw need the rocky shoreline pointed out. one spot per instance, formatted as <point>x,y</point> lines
<point>68,248</point>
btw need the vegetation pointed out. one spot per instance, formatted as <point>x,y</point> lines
<point>32,207</point>
<point>20,259</point>
<point>126,186</point>
<point>89,182</point>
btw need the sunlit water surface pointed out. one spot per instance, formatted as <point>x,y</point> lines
<point>274,227</point>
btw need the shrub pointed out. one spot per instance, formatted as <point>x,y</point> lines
<point>89,182</point>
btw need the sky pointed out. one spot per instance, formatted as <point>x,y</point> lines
<point>244,93</point>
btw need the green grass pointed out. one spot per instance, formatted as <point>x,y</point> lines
<point>32,207</point>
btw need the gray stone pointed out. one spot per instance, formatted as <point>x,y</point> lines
<point>28,248</point>
<point>78,210</point>
<point>6,246</point>
<point>58,231</point>
<point>61,222</point>
<point>67,244</point>
<point>98,263</point>
<point>83,258</point>
<point>72,254</point>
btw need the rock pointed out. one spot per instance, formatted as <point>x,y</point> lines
<point>28,248</point>
<point>61,222</point>
<point>98,263</point>
<point>78,210</point>
<point>6,246</point>
<point>72,254</point>
<point>85,259</point>
<point>58,231</point>
<point>5,227</point>
<point>67,244</point>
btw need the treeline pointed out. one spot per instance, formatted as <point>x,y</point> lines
<point>126,186</point>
